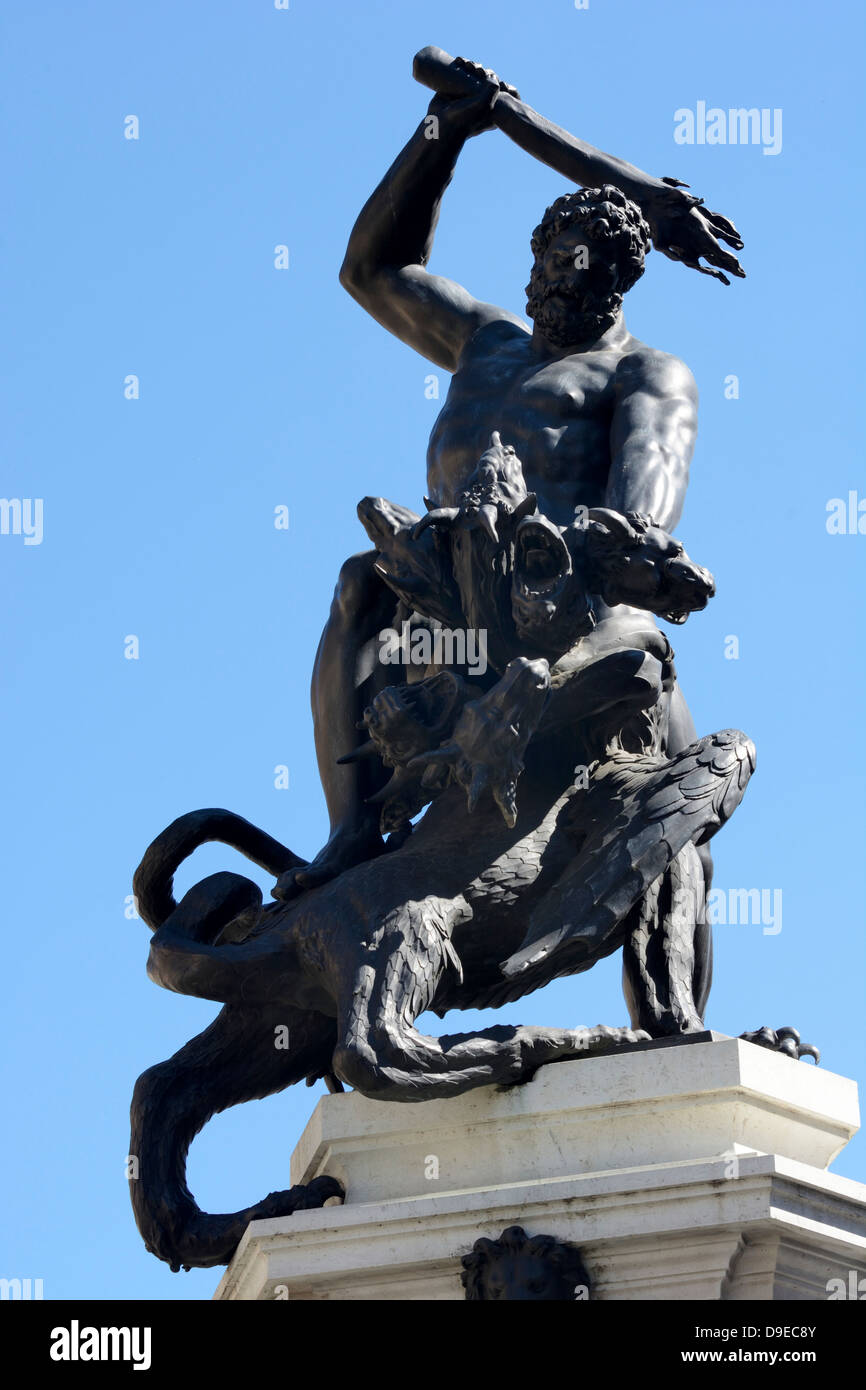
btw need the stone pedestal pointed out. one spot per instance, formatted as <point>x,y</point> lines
<point>694,1170</point>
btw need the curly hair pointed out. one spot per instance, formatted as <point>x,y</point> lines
<point>563,1259</point>
<point>605,215</point>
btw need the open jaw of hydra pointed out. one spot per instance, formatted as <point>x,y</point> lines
<point>532,795</point>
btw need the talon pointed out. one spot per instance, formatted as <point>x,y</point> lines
<point>784,1040</point>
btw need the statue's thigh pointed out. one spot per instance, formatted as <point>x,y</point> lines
<point>681,726</point>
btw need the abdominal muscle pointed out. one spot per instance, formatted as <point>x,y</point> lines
<point>560,432</point>
<point>566,465</point>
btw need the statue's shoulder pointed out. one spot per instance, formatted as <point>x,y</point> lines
<point>647,368</point>
<point>495,335</point>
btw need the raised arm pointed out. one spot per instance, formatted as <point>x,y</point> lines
<point>682,227</point>
<point>652,436</point>
<point>391,242</point>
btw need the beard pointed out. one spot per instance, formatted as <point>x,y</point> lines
<point>567,316</point>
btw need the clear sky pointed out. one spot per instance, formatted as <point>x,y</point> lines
<point>260,387</point>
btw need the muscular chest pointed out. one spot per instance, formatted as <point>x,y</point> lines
<point>557,415</point>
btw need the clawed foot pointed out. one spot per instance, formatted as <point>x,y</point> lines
<point>785,1040</point>
<point>348,846</point>
<point>303,1197</point>
<point>602,1038</point>
<point>541,1046</point>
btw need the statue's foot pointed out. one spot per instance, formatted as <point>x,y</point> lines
<point>542,1046</point>
<point>601,1038</point>
<point>784,1040</point>
<point>303,1197</point>
<point>349,845</point>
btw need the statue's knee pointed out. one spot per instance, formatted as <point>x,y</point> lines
<point>641,681</point>
<point>650,681</point>
<point>356,587</point>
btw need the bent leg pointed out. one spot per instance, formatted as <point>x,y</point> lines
<point>361,607</point>
<point>382,1054</point>
<point>416,1068</point>
<point>681,733</point>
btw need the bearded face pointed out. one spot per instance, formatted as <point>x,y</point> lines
<point>572,293</point>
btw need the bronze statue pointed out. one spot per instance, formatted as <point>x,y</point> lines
<point>495,825</point>
<point>597,417</point>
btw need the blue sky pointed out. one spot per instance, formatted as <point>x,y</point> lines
<point>261,387</point>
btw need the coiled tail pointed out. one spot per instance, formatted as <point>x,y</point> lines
<point>236,1059</point>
